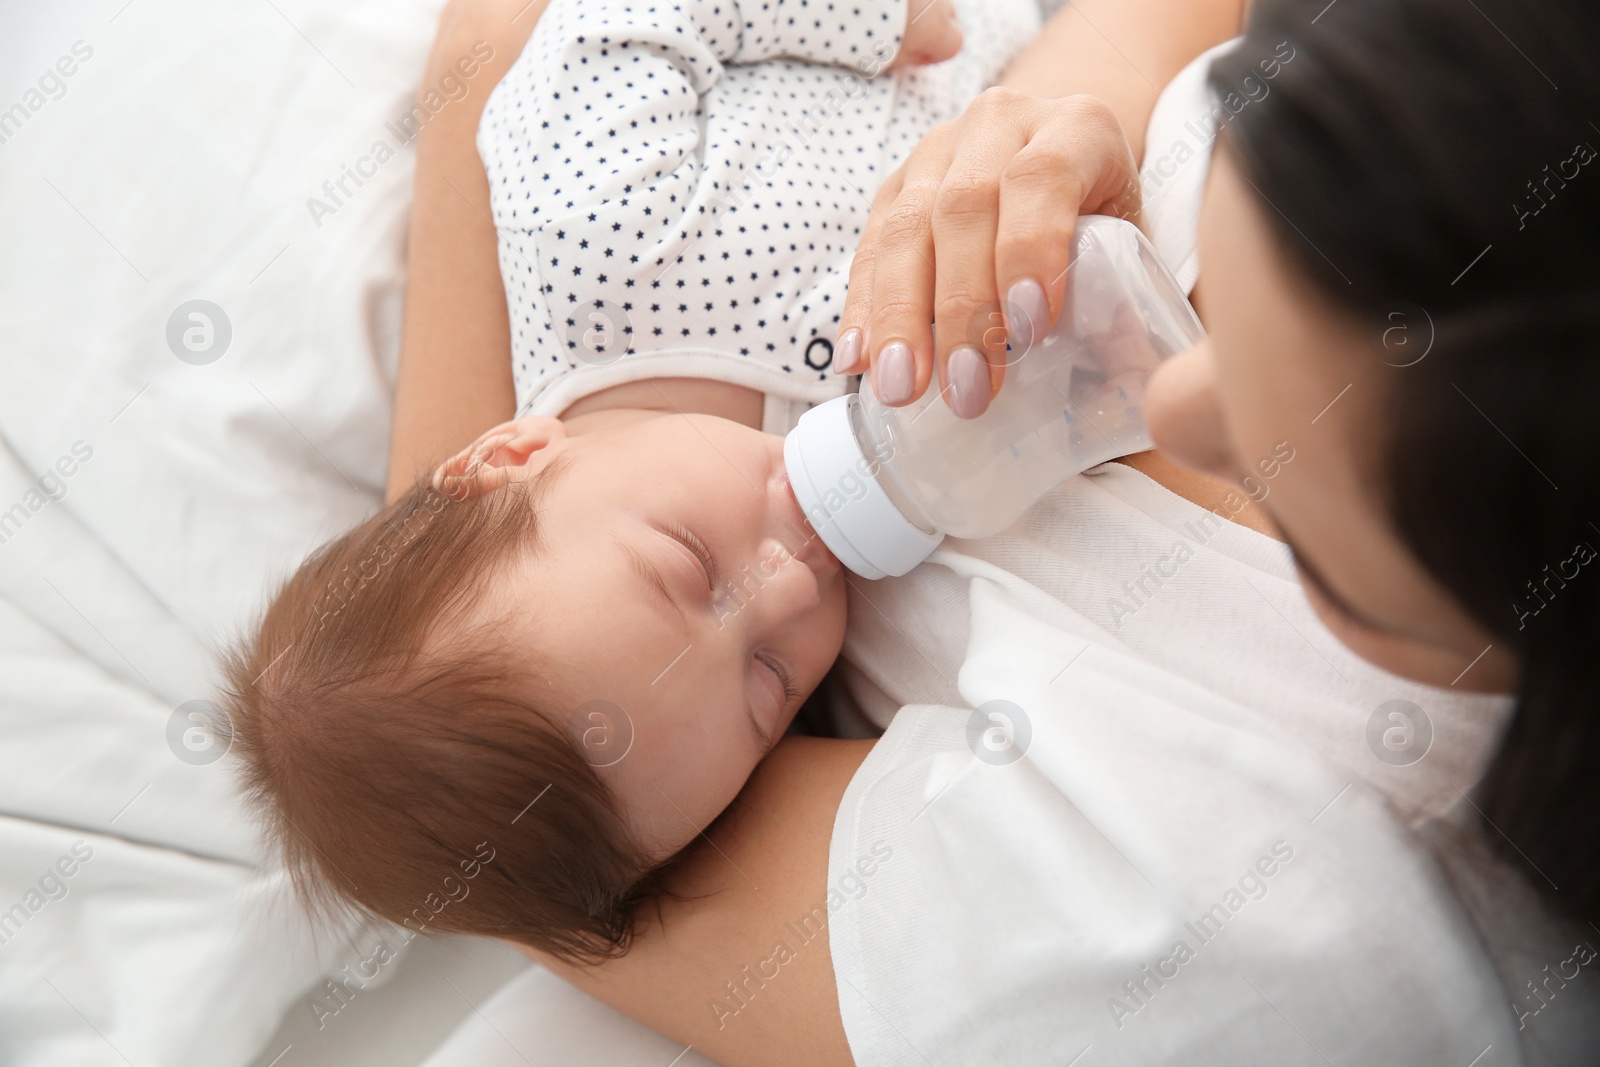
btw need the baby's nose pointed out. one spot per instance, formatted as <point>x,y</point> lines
<point>779,586</point>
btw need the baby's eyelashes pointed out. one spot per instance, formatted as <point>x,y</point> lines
<point>698,549</point>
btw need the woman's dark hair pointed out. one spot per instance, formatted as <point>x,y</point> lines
<point>1436,160</point>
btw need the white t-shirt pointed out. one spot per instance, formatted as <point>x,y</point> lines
<point>674,197</point>
<point>1145,571</point>
<point>1090,884</point>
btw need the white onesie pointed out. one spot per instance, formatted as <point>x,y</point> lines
<point>673,199</point>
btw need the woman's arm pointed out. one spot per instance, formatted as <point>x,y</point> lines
<point>758,870</point>
<point>1111,49</point>
<point>455,349</point>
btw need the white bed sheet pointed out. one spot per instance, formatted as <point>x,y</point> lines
<point>538,1020</point>
<point>176,163</point>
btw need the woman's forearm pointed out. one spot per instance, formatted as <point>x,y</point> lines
<point>455,352</point>
<point>1122,51</point>
<point>757,876</point>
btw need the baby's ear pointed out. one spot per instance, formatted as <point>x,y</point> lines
<point>507,453</point>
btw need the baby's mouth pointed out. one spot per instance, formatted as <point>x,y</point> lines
<point>807,546</point>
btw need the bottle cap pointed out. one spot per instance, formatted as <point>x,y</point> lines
<point>837,487</point>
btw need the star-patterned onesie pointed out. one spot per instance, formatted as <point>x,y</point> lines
<point>679,185</point>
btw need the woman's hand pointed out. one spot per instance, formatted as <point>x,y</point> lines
<point>985,205</point>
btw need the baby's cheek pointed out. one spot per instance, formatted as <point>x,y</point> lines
<point>693,784</point>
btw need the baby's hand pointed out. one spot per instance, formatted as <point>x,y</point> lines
<point>932,34</point>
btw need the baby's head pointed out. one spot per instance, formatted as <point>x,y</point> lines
<point>567,652</point>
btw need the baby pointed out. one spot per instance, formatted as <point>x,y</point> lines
<point>501,705</point>
<point>568,652</point>
<point>678,186</point>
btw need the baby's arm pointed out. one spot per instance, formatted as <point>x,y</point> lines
<point>685,44</point>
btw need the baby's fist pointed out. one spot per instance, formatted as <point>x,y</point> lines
<point>932,34</point>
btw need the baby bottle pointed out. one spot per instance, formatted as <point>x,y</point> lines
<point>883,486</point>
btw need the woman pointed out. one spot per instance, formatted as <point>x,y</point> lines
<point>1409,556</point>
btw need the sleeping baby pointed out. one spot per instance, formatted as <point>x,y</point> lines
<point>567,650</point>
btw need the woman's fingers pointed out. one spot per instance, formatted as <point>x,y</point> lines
<point>1104,159</point>
<point>969,330</point>
<point>969,240</point>
<point>849,347</point>
<point>1077,162</point>
<point>901,336</point>
<point>899,341</point>
<point>1033,241</point>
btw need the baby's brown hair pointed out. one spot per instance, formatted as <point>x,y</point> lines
<point>397,752</point>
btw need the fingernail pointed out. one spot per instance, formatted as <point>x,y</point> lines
<point>894,374</point>
<point>1026,312</point>
<point>968,373</point>
<point>847,353</point>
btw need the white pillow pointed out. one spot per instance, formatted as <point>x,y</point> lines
<point>153,153</point>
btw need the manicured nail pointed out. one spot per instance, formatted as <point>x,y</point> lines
<point>847,353</point>
<point>1026,312</point>
<point>894,374</point>
<point>968,373</point>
